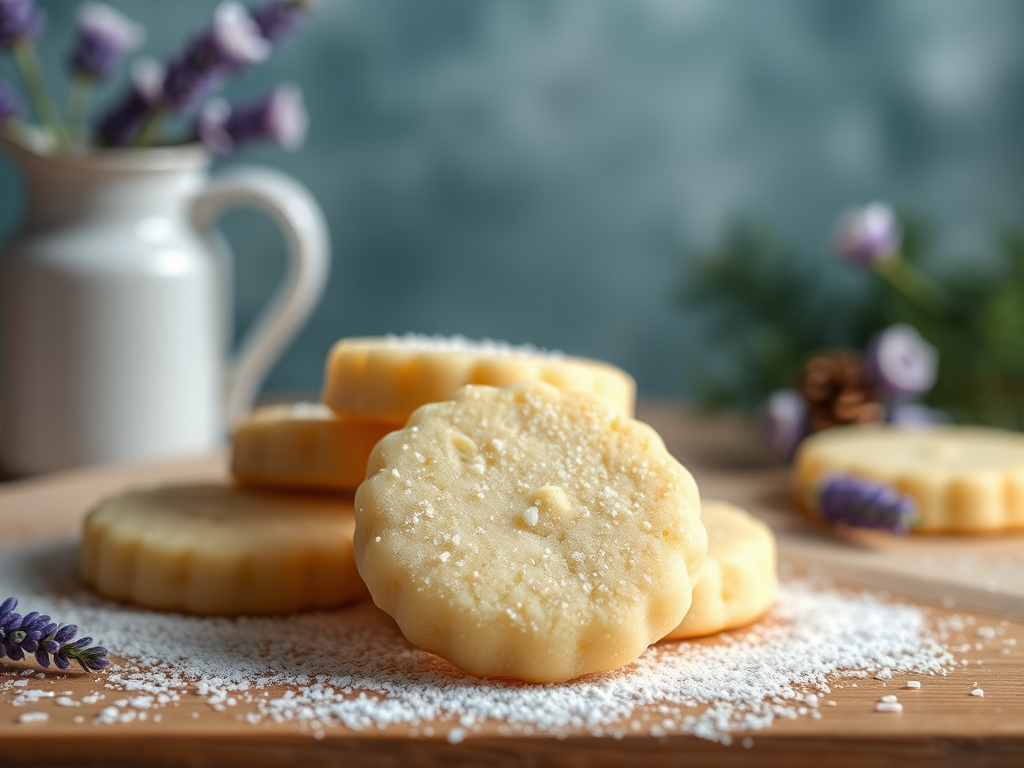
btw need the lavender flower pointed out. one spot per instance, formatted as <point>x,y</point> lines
<point>104,37</point>
<point>233,41</point>
<point>34,633</point>
<point>280,116</point>
<point>854,501</point>
<point>869,235</point>
<point>784,422</point>
<point>900,363</point>
<point>19,20</point>
<point>277,18</point>
<point>10,107</point>
<point>118,126</point>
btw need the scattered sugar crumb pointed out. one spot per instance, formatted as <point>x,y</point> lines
<point>275,669</point>
<point>888,706</point>
<point>977,692</point>
<point>33,717</point>
<point>913,683</point>
<point>888,699</point>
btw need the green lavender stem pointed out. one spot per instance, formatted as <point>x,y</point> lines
<point>35,85</point>
<point>78,97</point>
<point>147,131</point>
<point>913,284</point>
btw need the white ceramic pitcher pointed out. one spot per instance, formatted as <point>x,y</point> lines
<point>115,305</point>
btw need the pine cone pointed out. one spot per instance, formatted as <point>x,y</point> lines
<point>837,392</point>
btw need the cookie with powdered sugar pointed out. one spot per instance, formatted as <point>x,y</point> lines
<point>389,377</point>
<point>530,533</point>
<point>738,581</point>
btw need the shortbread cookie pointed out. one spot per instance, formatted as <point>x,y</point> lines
<point>965,479</point>
<point>387,378</point>
<point>212,549</point>
<point>528,532</point>
<point>304,445</point>
<point>738,581</point>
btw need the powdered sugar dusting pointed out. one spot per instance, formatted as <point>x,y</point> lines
<point>353,669</point>
<point>458,343</point>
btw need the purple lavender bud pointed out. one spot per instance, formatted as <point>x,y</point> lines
<point>854,501</point>
<point>8,606</point>
<point>66,633</point>
<point>900,363</point>
<point>43,658</point>
<point>9,107</point>
<point>233,41</point>
<point>869,235</point>
<point>784,422</point>
<point>280,116</point>
<point>14,653</point>
<point>104,37</point>
<point>10,621</point>
<point>61,661</point>
<point>83,642</point>
<point>99,662</point>
<point>277,18</point>
<point>118,126</point>
<point>19,20</point>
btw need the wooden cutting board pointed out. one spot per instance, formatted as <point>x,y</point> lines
<point>944,726</point>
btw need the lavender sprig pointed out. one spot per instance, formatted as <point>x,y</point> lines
<point>232,41</point>
<point>123,120</point>
<point>21,22</point>
<point>34,633</point>
<point>277,18</point>
<point>860,503</point>
<point>871,237</point>
<point>279,116</point>
<point>105,36</point>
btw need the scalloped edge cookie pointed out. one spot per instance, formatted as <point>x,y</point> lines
<point>529,533</point>
<point>389,377</point>
<point>962,479</point>
<point>215,549</point>
<point>304,446</point>
<point>738,581</point>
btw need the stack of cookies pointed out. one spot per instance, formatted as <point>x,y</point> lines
<point>508,512</point>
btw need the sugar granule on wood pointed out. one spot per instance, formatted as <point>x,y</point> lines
<point>352,668</point>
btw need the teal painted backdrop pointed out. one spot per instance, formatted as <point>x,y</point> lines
<point>537,170</point>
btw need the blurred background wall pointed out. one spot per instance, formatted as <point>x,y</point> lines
<point>541,170</point>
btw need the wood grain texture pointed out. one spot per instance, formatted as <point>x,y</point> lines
<point>941,724</point>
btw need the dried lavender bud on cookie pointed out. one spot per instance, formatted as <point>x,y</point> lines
<point>528,532</point>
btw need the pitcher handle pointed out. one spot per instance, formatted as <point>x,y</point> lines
<point>295,210</point>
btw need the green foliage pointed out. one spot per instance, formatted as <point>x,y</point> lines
<point>770,307</point>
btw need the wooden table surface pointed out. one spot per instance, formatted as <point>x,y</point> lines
<point>942,724</point>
